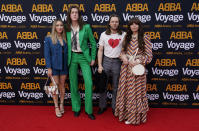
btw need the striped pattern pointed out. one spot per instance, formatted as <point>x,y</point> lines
<point>131,102</point>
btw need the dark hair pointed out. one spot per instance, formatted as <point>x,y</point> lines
<point>108,30</point>
<point>129,33</point>
<point>69,21</point>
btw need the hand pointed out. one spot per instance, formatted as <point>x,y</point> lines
<point>140,58</point>
<point>49,72</point>
<point>138,61</point>
<point>92,63</point>
<point>124,58</point>
<point>133,63</point>
<point>125,61</point>
<point>100,68</point>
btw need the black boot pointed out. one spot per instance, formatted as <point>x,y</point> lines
<point>91,116</point>
<point>76,114</point>
<point>101,110</point>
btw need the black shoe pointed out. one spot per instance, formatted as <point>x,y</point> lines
<point>91,116</point>
<point>113,111</point>
<point>76,114</point>
<point>101,110</point>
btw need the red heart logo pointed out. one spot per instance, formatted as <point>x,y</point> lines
<point>113,42</point>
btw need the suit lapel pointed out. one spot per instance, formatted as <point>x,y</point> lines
<point>69,39</point>
<point>81,35</point>
<point>68,35</point>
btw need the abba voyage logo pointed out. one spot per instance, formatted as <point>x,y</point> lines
<point>14,66</point>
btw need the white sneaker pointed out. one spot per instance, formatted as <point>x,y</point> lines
<point>127,122</point>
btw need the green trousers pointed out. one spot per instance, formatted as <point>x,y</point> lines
<point>73,77</point>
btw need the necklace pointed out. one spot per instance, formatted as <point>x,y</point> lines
<point>134,37</point>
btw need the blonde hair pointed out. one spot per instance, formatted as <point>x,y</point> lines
<point>54,35</point>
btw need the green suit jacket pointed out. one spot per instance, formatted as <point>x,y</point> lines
<point>85,34</point>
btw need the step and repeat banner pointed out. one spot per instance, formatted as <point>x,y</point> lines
<point>173,27</point>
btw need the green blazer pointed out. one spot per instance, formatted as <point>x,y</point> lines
<point>85,34</point>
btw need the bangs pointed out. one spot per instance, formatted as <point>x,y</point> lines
<point>135,20</point>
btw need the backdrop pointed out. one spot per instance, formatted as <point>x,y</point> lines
<point>173,74</point>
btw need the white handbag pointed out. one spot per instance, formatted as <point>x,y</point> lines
<point>138,69</point>
<point>51,89</point>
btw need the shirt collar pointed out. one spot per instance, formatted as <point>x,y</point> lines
<point>73,28</point>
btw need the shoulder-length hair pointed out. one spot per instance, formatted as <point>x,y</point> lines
<point>108,30</point>
<point>128,36</point>
<point>54,34</point>
<point>69,21</point>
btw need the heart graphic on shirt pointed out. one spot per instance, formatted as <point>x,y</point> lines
<point>113,42</point>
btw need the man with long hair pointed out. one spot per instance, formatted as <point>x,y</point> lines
<point>78,35</point>
<point>110,45</point>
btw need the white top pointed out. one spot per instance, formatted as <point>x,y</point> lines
<point>112,44</point>
<point>78,44</point>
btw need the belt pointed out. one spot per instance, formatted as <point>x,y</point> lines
<point>78,52</point>
<point>112,58</point>
<point>115,58</point>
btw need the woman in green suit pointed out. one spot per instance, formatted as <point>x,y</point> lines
<point>79,53</point>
